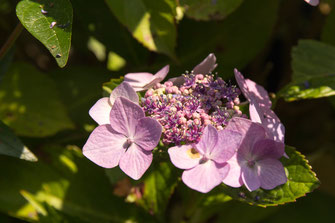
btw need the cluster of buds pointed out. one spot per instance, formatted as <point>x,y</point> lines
<point>185,110</point>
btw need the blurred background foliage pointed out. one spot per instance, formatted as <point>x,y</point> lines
<point>285,45</point>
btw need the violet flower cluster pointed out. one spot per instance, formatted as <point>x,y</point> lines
<point>197,117</point>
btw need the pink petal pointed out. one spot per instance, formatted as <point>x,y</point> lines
<point>256,113</point>
<point>250,177</point>
<point>233,178</point>
<point>271,173</point>
<point>184,157</point>
<point>251,133</point>
<point>135,161</point>
<point>104,146</point>
<point>205,177</point>
<point>268,148</point>
<point>147,134</point>
<point>143,81</point>
<point>258,93</point>
<point>206,66</point>
<point>228,143</point>
<point>158,77</point>
<point>100,111</point>
<point>138,79</point>
<point>124,90</point>
<point>125,115</point>
<point>274,127</point>
<point>242,83</point>
<point>208,140</point>
<point>312,2</point>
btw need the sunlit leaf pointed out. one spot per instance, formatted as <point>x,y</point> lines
<point>150,22</point>
<point>158,187</point>
<point>110,85</point>
<point>50,22</point>
<point>67,182</point>
<point>313,71</point>
<point>301,180</point>
<point>210,9</point>
<point>30,104</point>
<point>10,145</point>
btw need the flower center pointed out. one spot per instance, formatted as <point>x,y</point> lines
<point>251,163</point>
<point>193,153</point>
<point>203,160</point>
<point>128,143</point>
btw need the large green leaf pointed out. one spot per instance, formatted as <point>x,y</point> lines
<point>209,9</point>
<point>30,104</point>
<point>10,145</point>
<point>150,22</point>
<point>56,39</point>
<point>301,180</point>
<point>313,71</point>
<point>66,181</point>
<point>159,185</point>
<point>235,41</point>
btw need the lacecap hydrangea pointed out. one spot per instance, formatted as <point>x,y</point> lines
<point>198,119</point>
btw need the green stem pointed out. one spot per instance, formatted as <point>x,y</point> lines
<point>11,40</point>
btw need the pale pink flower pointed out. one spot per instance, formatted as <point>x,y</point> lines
<point>205,162</point>
<point>256,163</point>
<point>126,141</point>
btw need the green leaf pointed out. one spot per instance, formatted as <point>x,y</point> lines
<point>30,104</point>
<point>66,181</point>
<point>209,9</point>
<point>227,38</point>
<point>47,213</point>
<point>159,185</point>
<point>110,85</point>
<point>313,71</point>
<point>150,22</point>
<point>301,180</point>
<point>10,145</point>
<point>56,39</point>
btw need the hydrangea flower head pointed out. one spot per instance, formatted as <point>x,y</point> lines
<point>256,163</point>
<point>142,81</point>
<point>101,109</point>
<point>127,141</point>
<point>205,162</point>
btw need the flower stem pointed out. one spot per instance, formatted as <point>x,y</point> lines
<point>11,40</point>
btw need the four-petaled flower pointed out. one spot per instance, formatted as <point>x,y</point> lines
<point>127,141</point>
<point>256,162</point>
<point>142,81</point>
<point>101,109</point>
<point>205,162</point>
